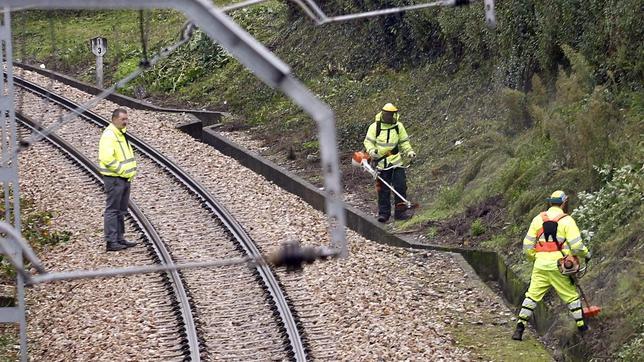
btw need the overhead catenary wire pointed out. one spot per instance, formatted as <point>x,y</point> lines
<point>310,7</point>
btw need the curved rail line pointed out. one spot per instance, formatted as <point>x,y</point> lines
<point>190,338</point>
<point>290,324</point>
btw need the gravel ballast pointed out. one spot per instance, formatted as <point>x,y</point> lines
<point>380,303</point>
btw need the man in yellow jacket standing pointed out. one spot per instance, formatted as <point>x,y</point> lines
<point>386,141</point>
<point>117,165</point>
<point>553,234</point>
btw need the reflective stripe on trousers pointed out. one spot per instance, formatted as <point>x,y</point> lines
<point>527,309</point>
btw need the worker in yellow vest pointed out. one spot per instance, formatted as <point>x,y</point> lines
<point>386,141</point>
<point>553,236</point>
<point>117,165</point>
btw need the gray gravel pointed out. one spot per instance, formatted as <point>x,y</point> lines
<point>192,234</point>
<point>122,319</point>
<point>382,303</point>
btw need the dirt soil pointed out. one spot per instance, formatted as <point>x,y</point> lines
<point>359,190</point>
<point>458,230</point>
<point>359,186</point>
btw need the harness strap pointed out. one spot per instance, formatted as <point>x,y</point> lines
<point>395,151</point>
<point>544,217</point>
<point>549,245</point>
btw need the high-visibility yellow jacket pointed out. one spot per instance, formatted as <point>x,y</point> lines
<point>567,233</point>
<point>392,138</point>
<point>115,154</point>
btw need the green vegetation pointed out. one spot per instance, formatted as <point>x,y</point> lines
<point>477,228</point>
<point>60,39</point>
<point>490,342</point>
<point>550,100</point>
<point>8,341</point>
<point>36,228</point>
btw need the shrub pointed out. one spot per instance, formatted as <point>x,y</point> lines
<point>477,228</point>
<point>517,117</point>
<point>633,350</point>
<point>613,205</point>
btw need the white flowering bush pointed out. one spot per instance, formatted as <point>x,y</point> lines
<point>620,198</point>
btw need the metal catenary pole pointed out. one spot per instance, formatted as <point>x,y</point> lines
<point>237,42</point>
<point>264,64</point>
<point>9,179</point>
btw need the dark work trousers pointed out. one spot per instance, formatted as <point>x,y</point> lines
<point>396,178</point>
<point>117,190</point>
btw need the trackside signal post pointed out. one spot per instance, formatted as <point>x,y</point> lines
<point>99,48</point>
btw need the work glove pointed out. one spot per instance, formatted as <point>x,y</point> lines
<point>411,154</point>
<point>373,153</point>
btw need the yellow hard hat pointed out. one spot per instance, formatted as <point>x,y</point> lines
<point>389,108</point>
<point>557,197</point>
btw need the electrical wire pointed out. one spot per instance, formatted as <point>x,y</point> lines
<point>313,11</point>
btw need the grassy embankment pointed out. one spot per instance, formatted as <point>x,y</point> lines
<point>551,100</point>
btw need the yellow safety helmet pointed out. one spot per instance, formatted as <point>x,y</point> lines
<point>389,108</point>
<point>557,197</point>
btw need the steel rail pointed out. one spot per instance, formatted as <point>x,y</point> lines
<point>209,202</point>
<point>160,251</point>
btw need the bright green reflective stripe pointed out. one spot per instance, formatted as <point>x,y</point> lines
<point>577,246</point>
<point>383,144</point>
<point>127,172</point>
<point>128,160</point>
<point>124,164</point>
<point>111,163</point>
<point>123,151</point>
<point>575,240</point>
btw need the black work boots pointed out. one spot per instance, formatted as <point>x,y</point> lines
<point>121,245</point>
<point>115,247</point>
<point>402,215</point>
<point>127,244</point>
<point>518,333</point>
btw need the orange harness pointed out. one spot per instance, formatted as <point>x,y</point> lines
<point>548,245</point>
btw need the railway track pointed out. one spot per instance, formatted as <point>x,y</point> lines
<point>239,319</point>
<point>188,346</point>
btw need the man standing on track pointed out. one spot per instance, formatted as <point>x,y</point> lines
<point>118,167</point>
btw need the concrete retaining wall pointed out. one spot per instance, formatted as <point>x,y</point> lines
<point>487,264</point>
